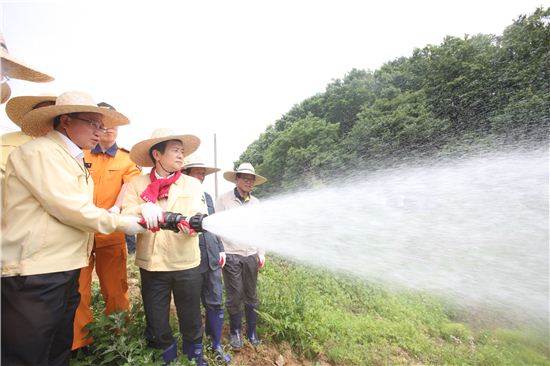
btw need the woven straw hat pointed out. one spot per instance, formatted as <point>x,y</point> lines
<point>15,69</point>
<point>5,92</point>
<point>17,107</point>
<point>39,122</point>
<point>196,161</point>
<point>244,168</point>
<point>140,151</point>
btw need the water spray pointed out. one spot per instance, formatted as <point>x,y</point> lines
<point>473,230</point>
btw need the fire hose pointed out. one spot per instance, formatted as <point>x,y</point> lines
<point>173,219</point>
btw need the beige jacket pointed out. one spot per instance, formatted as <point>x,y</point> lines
<point>228,201</point>
<point>48,216</point>
<point>166,250</point>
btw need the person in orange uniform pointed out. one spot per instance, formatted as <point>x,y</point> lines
<point>111,168</point>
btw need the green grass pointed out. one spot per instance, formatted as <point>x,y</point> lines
<point>336,319</point>
<point>349,322</point>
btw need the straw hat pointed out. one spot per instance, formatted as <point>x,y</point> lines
<point>5,92</point>
<point>17,107</point>
<point>196,161</point>
<point>244,168</point>
<point>140,151</point>
<point>39,122</point>
<point>15,69</point>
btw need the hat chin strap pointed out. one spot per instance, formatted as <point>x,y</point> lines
<point>163,168</point>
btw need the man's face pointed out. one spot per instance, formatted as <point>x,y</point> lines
<point>172,159</point>
<point>198,173</point>
<point>245,182</point>
<point>108,136</point>
<point>84,129</point>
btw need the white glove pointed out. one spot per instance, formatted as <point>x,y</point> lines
<point>223,258</point>
<point>152,214</point>
<point>132,226</point>
<point>261,261</point>
<point>114,209</point>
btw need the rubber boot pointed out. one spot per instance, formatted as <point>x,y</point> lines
<point>170,353</point>
<point>194,352</point>
<point>214,325</point>
<point>235,335</point>
<point>250,314</point>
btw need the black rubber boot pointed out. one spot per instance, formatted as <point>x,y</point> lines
<point>235,332</point>
<point>170,353</point>
<point>250,314</point>
<point>194,352</point>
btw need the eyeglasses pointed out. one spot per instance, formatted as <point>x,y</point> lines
<point>247,179</point>
<point>95,124</point>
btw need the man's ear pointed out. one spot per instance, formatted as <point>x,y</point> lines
<point>64,121</point>
<point>156,155</point>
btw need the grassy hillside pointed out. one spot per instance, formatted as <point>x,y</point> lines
<point>337,320</point>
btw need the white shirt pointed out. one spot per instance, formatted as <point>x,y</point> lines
<point>74,150</point>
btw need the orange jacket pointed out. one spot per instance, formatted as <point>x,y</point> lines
<point>109,170</point>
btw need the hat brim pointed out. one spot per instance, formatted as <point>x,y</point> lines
<point>140,151</point>
<point>39,122</point>
<point>207,169</point>
<point>15,69</point>
<point>232,177</point>
<point>6,92</point>
<point>17,107</point>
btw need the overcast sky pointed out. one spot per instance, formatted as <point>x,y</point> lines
<point>229,68</point>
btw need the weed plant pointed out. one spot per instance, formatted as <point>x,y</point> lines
<point>333,318</point>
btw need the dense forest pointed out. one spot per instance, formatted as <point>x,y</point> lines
<point>476,89</point>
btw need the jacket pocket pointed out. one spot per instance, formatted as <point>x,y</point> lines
<point>145,247</point>
<point>38,236</point>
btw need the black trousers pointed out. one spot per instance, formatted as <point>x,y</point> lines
<point>240,276</point>
<point>37,318</point>
<point>156,290</point>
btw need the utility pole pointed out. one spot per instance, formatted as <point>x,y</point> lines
<point>215,166</point>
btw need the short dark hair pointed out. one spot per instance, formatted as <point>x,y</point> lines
<point>56,121</point>
<point>160,147</point>
<point>238,175</point>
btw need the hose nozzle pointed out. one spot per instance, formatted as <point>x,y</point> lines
<point>172,219</point>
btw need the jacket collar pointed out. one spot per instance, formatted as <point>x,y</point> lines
<point>72,148</point>
<point>110,151</point>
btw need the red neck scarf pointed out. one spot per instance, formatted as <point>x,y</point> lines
<point>158,188</point>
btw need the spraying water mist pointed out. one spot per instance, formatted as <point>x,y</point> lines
<point>474,230</point>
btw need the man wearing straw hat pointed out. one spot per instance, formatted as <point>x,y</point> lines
<point>212,261</point>
<point>47,228</point>
<point>240,272</point>
<point>111,170</point>
<point>12,68</point>
<point>168,261</point>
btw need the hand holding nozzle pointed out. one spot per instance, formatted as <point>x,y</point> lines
<point>132,225</point>
<point>152,216</point>
<point>179,223</point>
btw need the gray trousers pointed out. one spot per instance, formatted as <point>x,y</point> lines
<point>212,289</point>
<point>240,276</point>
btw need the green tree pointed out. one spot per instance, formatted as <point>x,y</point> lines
<point>297,153</point>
